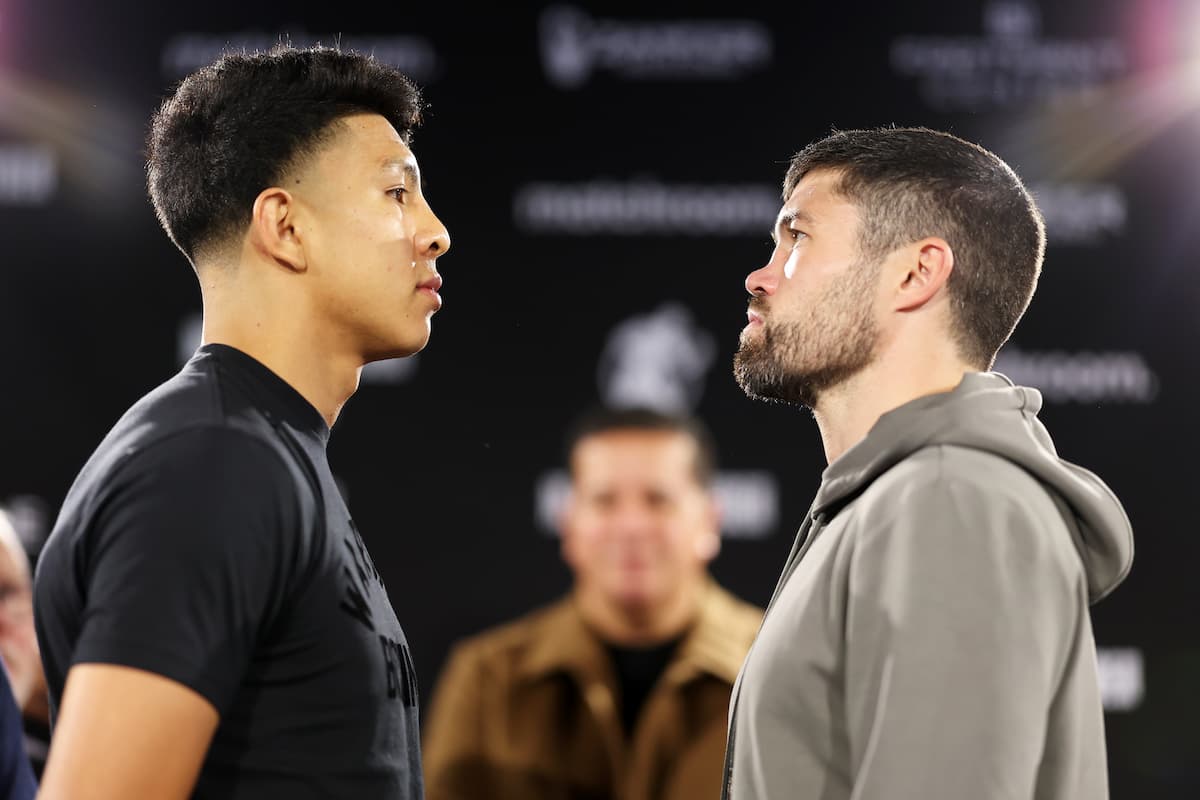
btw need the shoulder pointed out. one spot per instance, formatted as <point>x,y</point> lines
<point>182,494</point>
<point>508,641</point>
<point>955,480</point>
<point>722,634</point>
<point>966,505</point>
<point>198,398</point>
<point>737,619</point>
<point>206,454</point>
<point>165,487</point>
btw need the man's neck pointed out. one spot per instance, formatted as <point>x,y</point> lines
<point>846,413</point>
<point>639,626</point>
<point>321,375</point>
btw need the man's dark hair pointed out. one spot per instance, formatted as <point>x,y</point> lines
<point>611,420</point>
<point>909,183</point>
<point>235,127</point>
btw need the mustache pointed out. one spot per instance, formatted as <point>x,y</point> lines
<point>757,304</point>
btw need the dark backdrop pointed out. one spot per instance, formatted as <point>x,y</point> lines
<point>609,175</point>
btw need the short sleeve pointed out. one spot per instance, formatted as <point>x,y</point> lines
<point>187,559</point>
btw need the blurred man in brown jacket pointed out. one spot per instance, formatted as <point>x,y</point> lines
<point>621,689</point>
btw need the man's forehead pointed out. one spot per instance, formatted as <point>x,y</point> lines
<point>372,138</point>
<point>814,196</point>
<point>634,438</point>
<point>401,164</point>
<point>620,450</point>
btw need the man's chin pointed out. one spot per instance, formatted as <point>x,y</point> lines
<point>637,598</point>
<point>760,382</point>
<point>398,349</point>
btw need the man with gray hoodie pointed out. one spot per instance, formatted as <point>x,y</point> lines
<point>929,637</point>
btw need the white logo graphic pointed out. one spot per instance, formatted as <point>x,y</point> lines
<point>574,45</point>
<point>645,207</point>
<point>1122,677</point>
<point>378,373</point>
<point>658,360</point>
<point>749,502</point>
<point>31,518</point>
<point>188,335</point>
<point>391,372</point>
<point>1009,65</point>
<point>1118,377</point>
<point>184,53</point>
<point>28,175</point>
<point>1081,213</point>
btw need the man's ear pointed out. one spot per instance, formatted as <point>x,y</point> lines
<point>274,232</point>
<point>708,543</point>
<point>925,268</point>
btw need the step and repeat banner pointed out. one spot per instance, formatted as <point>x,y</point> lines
<point>609,174</point>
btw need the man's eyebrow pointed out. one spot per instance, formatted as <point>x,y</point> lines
<point>407,167</point>
<point>786,219</point>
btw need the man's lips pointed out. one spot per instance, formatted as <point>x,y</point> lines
<point>753,318</point>
<point>431,288</point>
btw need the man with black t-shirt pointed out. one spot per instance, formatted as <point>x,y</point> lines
<point>620,690</point>
<point>210,621</point>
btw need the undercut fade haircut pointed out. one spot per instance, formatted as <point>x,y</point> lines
<point>909,183</point>
<point>234,128</point>
<point>599,421</point>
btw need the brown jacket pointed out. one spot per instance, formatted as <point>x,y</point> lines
<point>529,711</point>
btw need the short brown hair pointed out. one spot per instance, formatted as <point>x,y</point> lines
<point>609,420</point>
<point>909,183</point>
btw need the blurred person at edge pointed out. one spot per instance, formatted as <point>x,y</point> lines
<point>18,644</point>
<point>621,689</point>
<point>929,638</point>
<point>210,621</point>
<point>21,679</point>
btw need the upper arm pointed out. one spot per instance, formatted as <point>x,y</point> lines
<point>183,568</point>
<point>189,561</point>
<point>958,618</point>
<point>123,733</point>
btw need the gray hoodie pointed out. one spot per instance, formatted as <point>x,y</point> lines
<point>929,638</point>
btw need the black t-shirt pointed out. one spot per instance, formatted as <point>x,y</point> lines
<point>638,669</point>
<point>206,541</point>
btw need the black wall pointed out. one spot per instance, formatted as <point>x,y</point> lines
<point>619,165</point>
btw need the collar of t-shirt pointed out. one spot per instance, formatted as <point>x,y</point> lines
<point>273,391</point>
<point>637,670</point>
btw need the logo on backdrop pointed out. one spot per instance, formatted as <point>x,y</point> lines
<point>30,517</point>
<point>1086,377</point>
<point>392,372</point>
<point>1011,64</point>
<point>1122,677</point>
<point>28,175</point>
<point>659,360</point>
<point>575,45</point>
<point>644,206</point>
<point>748,499</point>
<point>1081,213</point>
<point>415,56</point>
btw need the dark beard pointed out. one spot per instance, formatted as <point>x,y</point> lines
<point>770,367</point>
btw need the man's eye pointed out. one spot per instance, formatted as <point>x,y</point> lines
<point>398,192</point>
<point>796,235</point>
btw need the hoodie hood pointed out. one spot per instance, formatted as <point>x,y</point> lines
<point>987,412</point>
